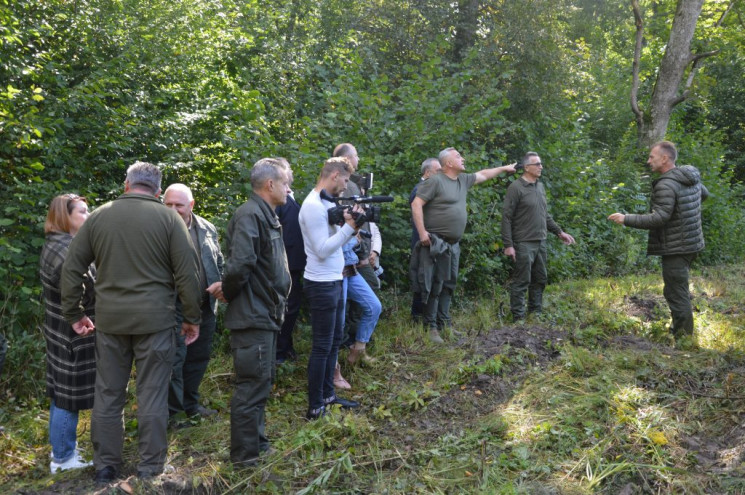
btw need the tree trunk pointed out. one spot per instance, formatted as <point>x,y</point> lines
<point>652,125</point>
<point>465,29</point>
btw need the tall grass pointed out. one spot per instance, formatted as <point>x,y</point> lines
<point>618,407</point>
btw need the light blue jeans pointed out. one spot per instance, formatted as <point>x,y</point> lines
<point>63,426</point>
<point>359,291</point>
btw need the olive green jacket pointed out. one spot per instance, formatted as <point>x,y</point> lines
<point>525,215</point>
<point>256,280</point>
<point>144,256</point>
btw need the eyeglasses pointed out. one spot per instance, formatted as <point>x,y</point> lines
<point>539,164</point>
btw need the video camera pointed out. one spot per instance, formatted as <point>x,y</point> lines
<point>370,213</point>
<point>363,181</point>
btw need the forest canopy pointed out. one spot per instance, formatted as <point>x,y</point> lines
<point>204,88</point>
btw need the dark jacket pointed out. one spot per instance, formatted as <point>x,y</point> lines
<point>291,234</point>
<point>674,221</point>
<point>256,280</point>
<point>431,265</point>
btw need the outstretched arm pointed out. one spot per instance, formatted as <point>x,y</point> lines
<point>490,173</point>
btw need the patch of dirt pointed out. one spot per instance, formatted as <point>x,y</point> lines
<point>640,308</point>
<point>720,452</point>
<point>165,484</point>
<point>522,347</point>
<point>527,347</point>
<point>637,343</point>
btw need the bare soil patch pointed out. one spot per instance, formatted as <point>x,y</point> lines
<point>522,348</point>
<point>640,307</point>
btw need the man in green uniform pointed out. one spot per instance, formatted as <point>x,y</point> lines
<point>143,257</point>
<point>439,214</point>
<point>674,224</point>
<point>525,224</point>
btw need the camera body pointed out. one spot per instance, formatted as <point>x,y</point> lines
<point>369,213</point>
<point>363,181</point>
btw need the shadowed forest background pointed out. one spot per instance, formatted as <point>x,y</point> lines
<point>205,88</point>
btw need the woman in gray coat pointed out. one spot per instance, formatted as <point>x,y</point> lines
<point>71,363</point>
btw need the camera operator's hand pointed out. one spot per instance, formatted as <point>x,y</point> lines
<point>349,220</point>
<point>510,253</point>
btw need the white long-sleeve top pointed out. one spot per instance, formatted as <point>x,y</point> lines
<point>322,241</point>
<point>377,239</point>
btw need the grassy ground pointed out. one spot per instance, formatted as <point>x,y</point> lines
<point>591,397</point>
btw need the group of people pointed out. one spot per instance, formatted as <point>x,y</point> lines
<point>119,281</point>
<point>438,207</point>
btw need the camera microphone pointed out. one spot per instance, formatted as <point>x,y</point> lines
<point>368,199</point>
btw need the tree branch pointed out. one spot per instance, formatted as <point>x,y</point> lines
<point>636,63</point>
<point>692,74</point>
<point>699,56</point>
<point>724,14</point>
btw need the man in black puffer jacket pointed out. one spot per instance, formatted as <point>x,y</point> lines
<point>674,225</point>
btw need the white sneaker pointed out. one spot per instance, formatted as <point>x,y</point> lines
<point>74,462</point>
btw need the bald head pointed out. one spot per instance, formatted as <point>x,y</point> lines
<point>179,197</point>
<point>349,152</point>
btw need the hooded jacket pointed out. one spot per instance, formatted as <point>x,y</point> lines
<point>674,222</point>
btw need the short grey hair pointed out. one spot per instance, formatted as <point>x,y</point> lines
<point>443,156</point>
<point>428,164</point>
<point>266,169</point>
<point>286,164</point>
<point>144,175</point>
<point>667,148</point>
<point>528,156</point>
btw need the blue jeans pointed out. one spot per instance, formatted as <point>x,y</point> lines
<point>358,290</point>
<point>63,426</point>
<point>326,303</point>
